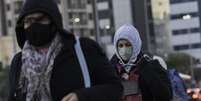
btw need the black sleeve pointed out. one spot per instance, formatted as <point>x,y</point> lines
<point>156,81</point>
<point>106,85</point>
<point>13,73</point>
<point>114,59</point>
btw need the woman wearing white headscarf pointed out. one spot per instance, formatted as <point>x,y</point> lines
<point>143,78</point>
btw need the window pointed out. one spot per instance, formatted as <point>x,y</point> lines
<point>8,7</point>
<point>185,31</point>
<point>76,4</point>
<point>82,3</point>
<point>82,30</point>
<point>179,1</point>
<point>187,46</point>
<point>89,1</point>
<point>104,14</point>
<point>175,32</point>
<point>18,5</point>
<point>69,3</point>
<point>196,45</point>
<point>180,16</point>
<point>9,23</point>
<point>70,15</point>
<point>179,32</point>
<point>92,32</point>
<point>90,16</point>
<point>195,30</point>
<point>83,18</point>
<point>181,47</point>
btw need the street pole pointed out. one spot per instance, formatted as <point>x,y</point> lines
<point>96,21</point>
<point>73,25</point>
<point>64,13</point>
<point>186,18</point>
<point>191,58</point>
<point>13,26</point>
<point>147,31</point>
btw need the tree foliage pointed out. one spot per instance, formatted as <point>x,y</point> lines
<point>181,61</point>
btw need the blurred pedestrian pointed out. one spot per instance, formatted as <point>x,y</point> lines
<point>54,65</point>
<point>178,86</point>
<point>142,77</point>
<point>179,89</point>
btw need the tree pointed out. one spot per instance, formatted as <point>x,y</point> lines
<point>181,62</point>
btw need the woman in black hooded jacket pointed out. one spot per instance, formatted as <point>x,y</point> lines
<point>142,77</point>
<point>61,73</point>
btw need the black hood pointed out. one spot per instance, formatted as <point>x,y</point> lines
<point>48,7</point>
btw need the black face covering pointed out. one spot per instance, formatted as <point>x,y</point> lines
<point>40,34</point>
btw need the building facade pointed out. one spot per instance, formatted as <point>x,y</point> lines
<point>138,13</point>
<point>78,17</point>
<point>185,26</point>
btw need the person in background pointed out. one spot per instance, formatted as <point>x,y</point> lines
<point>178,86</point>
<point>142,77</point>
<point>47,68</point>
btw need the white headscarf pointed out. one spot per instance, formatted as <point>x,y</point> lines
<point>130,33</point>
<point>161,61</point>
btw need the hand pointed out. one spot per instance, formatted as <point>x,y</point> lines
<point>70,97</point>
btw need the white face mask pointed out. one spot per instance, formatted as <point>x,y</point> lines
<point>125,49</point>
<point>125,53</point>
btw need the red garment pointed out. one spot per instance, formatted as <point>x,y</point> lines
<point>132,76</point>
<point>132,98</point>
